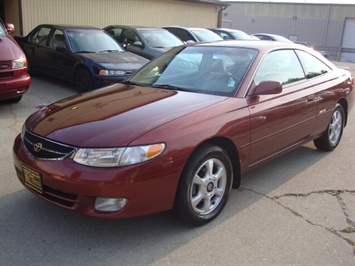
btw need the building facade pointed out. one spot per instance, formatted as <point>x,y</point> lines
<point>27,14</point>
<point>329,27</point>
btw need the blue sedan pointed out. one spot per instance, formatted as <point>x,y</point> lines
<point>86,56</point>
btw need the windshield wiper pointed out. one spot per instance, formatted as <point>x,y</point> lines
<point>170,87</point>
<point>108,51</point>
<point>133,83</point>
<point>84,52</point>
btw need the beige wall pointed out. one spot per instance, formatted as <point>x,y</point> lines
<point>107,12</point>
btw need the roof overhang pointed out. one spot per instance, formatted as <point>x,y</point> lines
<point>207,2</point>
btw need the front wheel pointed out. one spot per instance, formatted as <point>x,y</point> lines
<point>332,135</point>
<point>83,80</point>
<point>204,186</point>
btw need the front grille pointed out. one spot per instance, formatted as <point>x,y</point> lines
<point>60,197</point>
<point>46,149</point>
<point>5,65</point>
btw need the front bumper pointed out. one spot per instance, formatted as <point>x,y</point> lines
<point>14,86</point>
<point>149,187</point>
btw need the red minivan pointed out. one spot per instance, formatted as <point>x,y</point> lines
<point>14,79</point>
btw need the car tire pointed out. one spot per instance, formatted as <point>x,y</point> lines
<point>332,135</point>
<point>30,69</point>
<point>83,81</point>
<point>15,100</point>
<point>204,186</point>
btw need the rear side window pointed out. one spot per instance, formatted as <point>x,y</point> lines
<point>41,36</point>
<point>312,65</point>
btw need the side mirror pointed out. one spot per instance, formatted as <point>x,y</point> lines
<point>138,43</point>
<point>10,28</point>
<point>61,48</point>
<point>268,87</point>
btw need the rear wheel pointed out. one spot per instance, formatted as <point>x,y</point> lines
<point>332,135</point>
<point>204,186</point>
<point>83,80</point>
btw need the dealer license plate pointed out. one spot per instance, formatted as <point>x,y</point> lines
<point>32,179</point>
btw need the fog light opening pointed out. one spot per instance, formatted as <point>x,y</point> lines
<point>110,204</point>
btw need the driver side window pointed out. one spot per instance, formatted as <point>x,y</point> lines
<point>57,39</point>
<point>129,37</point>
<point>282,66</point>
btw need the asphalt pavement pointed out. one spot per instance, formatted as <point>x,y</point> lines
<point>297,210</point>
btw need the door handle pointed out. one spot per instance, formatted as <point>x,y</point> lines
<point>310,98</point>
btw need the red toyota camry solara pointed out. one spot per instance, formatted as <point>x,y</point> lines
<point>181,131</point>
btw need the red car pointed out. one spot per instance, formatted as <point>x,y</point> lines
<point>181,132</point>
<point>14,79</point>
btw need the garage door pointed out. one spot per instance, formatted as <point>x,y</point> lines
<point>348,43</point>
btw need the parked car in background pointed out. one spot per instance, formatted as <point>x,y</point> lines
<point>144,41</point>
<point>312,46</point>
<point>231,34</point>
<point>271,37</point>
<point>181,131</point>
<point>86,56</point>
<point>193,34</point>
<point>14,79</point>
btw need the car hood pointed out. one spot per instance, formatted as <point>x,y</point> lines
<point>117,60</point>
<point>114,116</point>
<point>10,50</point>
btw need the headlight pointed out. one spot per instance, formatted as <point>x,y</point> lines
<point>112,73</point>
<point>18,63</point>
<point>113,157</point>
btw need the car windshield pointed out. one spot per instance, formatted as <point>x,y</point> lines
<point>160,38</point>
<point>206,35</point>
<point>92,41</point>
<point>204,69</point>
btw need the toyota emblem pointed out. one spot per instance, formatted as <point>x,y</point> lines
<point>37,147</point>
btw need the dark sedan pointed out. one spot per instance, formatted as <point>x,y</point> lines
<point>190,35</point>
<point>86,56</point>
<point>181,132</point>
<point>231,34</point>
<point>144,41</point>
<point>271,37</point>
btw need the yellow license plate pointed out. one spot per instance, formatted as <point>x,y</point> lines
<point>32,179</point>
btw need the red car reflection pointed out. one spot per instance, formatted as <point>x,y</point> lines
<point>180,133</point>
<point>14,79</point>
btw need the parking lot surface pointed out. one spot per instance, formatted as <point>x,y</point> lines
<point>298,209</point>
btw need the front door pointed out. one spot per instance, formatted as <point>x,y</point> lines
<point>281,120</point>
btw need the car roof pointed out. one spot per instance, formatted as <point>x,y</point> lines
<point>267,34</point>
<point>185,28</point>
<point>65,27</point>
<point>132,27</point>
<point>226,29</point>
<point>259,45</point>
